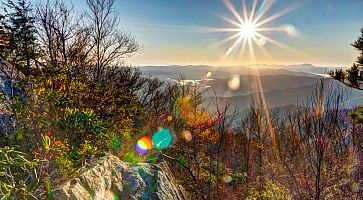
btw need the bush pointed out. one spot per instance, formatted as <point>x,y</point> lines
<point>270,190</point>
<point>18,175</point>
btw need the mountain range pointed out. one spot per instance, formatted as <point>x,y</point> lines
<point>280,85</point>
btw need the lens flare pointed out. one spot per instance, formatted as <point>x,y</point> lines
<point>250,27</point>
<point>234,83</point>
<point>162,139</point>
<point>187,135</point>
<point>143,145</point>
<point>227,178</point>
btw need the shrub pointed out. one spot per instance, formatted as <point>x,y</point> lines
<point>18,175</point>
<point>270,190</point>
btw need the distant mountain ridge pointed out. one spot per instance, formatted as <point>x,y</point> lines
<point>248,83</point>
<point>281,85</point>
<point>197,71</point>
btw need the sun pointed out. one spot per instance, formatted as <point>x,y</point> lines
<point>248,30</point>
<point>250,27</point>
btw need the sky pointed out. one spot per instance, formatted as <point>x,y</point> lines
<point>178,32</point>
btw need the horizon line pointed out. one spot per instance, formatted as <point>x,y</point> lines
<point>242,65</point>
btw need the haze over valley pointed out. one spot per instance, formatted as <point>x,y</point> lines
<point>281,85</point>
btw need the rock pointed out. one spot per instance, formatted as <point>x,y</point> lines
<point>73,190</point>
<point>9,77</point>
<point>111,178</point>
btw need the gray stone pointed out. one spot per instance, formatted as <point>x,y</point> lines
<point>111,178</point>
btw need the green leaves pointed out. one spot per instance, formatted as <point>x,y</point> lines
<point>15,170</point>
<point>85,120</point>
<point>181,161</point>
<point>46,142</point>
<point>357,116</point>
<point>115,143</point>
<point>21,48</point>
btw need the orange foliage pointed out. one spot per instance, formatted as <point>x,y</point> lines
<point>197,118</point>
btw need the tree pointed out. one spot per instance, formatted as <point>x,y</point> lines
<point>108,45</point>
<point>4,34</point>
<point>21,49</point>
<point>352,77</point>
<point>83,58</point>
<point>358,44</point>
<point>355,80</point>
<point>61,34</point>
<point>81,100</point>
<point>357,116</point>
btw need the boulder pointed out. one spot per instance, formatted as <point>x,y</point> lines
<point>111,178</point>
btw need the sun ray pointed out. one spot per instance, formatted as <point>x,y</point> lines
<point>253,10</point>
<point>249,26</point>
<point>226,19</point>
<point>279,44</point>
<point>233,10</point>
<point>213,29</point>
<point>242,50</point>
<point>233,46</point>
<point>252,52</point>
<point>245,12</point>
<point>251,31</point>
<point>264,7</point>
<point>226,40</point>
<point>271,29</point>
<point>264,51</point>
<point>277,15</point>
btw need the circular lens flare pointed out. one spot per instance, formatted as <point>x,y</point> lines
<point>227,178</point>
<point>187,135</point>
<point>143,145</point>
<point>234,83</point>
<point>162,139</point>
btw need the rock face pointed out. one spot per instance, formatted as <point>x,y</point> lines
<point>111,178</point>
<point>9,76</point>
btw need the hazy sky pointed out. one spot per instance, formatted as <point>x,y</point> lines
<point>170,31</point>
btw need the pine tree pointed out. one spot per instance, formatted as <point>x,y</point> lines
<point>353,77</point>
<point>19,24</point>
<point>4,41</point>
<point>358,44</point>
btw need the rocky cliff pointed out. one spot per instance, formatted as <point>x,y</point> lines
<point>111,178</point>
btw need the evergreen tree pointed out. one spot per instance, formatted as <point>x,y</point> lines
<point>19,23</point>
<point>3,34</point>
<point>353,77</point>
<point>358,44</point>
